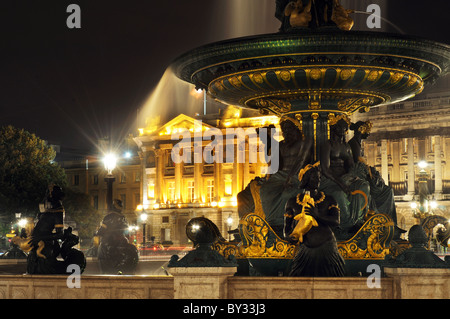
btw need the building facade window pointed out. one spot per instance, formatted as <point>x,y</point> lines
<point>171,191</point>
<point>123,178</point>
<point>123,198</point>
<point>190,191</point>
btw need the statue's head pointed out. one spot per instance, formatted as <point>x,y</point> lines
<point>339,125</point>
<point>57,193</point>
<point>309,176</point>
<point>290,129</point>
<point>362,128</point>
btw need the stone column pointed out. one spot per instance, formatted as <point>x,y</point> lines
<point>159,175</point>
<point>437,168</point>
<point>178,181</point>
<point>144,180</point>
<point>384,161</point>
<point>198,185</point>
<point>217,180</point>
<point>411,177</point>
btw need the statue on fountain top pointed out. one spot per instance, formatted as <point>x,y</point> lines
<point>312,14</point>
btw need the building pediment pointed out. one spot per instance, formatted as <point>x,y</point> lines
<point>179,124</point>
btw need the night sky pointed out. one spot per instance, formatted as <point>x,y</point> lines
<point>73,86</point>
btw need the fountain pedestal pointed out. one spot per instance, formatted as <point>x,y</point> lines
<point>201,282</point>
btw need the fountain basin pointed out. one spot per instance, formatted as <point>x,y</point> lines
<point>325,70</point>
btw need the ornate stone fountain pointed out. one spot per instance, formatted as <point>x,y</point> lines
<point>313,71</point>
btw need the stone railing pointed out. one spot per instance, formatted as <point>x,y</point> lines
<point>219,283</point>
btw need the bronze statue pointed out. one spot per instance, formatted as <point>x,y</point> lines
<point>381,195</point>
<point>42,242</point>
<point>312,14</point>
<point>115,254</point>
<point>299,15</point>
<point>341,17</point>
<point>317,214</point>
<point>295,151</point>
<point>340,178</point>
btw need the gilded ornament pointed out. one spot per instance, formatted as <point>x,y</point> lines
<point>346,74</point>
<point>350,105</point>
<point>314,100</point>
<point>285,75</point>
<point>366,127</point>
<point>219,85</point>
<point>295,121</point>
<point>258,78</point>
<point>412,80</point>
<point>235,81</point>
<point>275,105</point>
<point>396,77</point>
<point>261,241</point>
<point>333,119</point>
<point>373,75</point>
<point>316,74</point>
<point>371,241</point>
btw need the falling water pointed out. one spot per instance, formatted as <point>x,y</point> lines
<point>169,98</point>
<point>238,18</point>
<point>229,19</point>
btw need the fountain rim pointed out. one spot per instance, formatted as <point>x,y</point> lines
<point>318,38</point>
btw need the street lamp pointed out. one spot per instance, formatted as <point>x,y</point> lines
<point>110,161</point>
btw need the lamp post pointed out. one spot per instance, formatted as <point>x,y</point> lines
<point>229,223</point>
<point>144,217</point>
<point>110,161</point>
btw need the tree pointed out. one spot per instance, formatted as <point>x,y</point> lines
<point>79,209</point>
<point>26,170</point>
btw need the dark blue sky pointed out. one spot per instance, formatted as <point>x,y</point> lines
<point>73,86</point>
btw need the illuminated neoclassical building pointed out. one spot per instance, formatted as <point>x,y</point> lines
<point>173,193</point>
<point>410,144</point>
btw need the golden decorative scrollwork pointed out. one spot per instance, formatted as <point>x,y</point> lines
<point>350,105</point>
<point>371,241</point>
<point>315,100</point>
<point>227,249</point>
<point>262,241</point>
<point>276,105</point>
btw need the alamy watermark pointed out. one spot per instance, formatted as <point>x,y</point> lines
<point>74,279</point>
<point>73,21</point>
<point>374,19</point>
<point>374,279</point>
